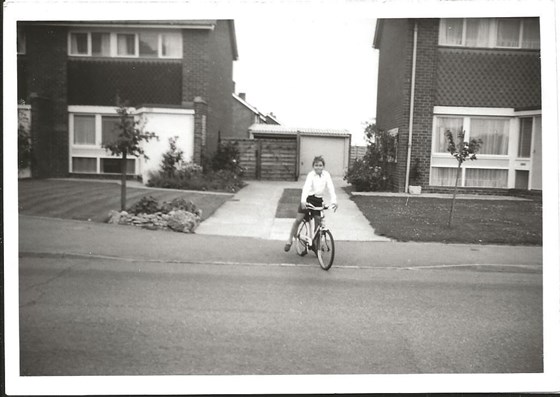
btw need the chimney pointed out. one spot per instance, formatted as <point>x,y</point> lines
<point>242,95</point>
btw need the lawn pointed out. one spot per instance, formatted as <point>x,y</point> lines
<point>85,200</point>
<point>421,218</point>
<point>474,221</point>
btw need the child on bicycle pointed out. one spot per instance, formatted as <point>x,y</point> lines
<point>317,183</point>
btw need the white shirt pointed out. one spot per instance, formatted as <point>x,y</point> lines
<point>318,185</point>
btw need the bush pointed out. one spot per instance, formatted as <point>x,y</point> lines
<point>372,172</point>
<point>150,205</point>
<point>146,205</point>
<point>24,149</point>
<point>222,172</point>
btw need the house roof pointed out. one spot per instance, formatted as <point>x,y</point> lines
<point>273,129</point>
<point>191,23</point>
<point>266,118</point>
<point>377,35</point>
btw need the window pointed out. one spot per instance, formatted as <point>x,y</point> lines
<point>443,124</point>
<point>84,130</point>
<point>480,177</point>
<point>148,45</point>
<point>171,45</point>
<point>21,47</point>
<point>144,44</point>
<point>525,135</point>
<point>113,166</point>
<point>490,32</point>
<point>101,44</point>
<point>126,44</point>
<point>445,176</point>
<point>79,44</point>
<point>84,165</point>
<point>109,129</point>
<point>494,133</point>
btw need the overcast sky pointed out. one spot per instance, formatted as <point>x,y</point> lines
<point>309,72</point>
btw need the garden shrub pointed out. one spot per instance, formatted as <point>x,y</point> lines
<point>372,172</point>
<point>222,173</point>
<point>146,205</point>
<point>24,149</point>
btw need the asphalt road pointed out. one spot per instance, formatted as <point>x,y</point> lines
<point>110,316</point>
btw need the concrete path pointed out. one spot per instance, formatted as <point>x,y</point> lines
<point>251,213</point>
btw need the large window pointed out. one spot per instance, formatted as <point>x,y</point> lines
<point>90,129</point>
<point>493,131</point>
<point>142,44</point>
<point>521,33</point>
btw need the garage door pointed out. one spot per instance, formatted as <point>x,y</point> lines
<point>333,149</point>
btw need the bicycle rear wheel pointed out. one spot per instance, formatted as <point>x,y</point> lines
<point>325,250</point>
<point>301,242</point>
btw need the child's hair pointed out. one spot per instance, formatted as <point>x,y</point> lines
<point>318,159</point>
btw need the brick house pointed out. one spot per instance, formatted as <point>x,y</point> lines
<point>176,75</point>
<point>245,115</point>
<point>479,75</point>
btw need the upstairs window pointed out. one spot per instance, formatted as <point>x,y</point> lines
<point>521,33</point>
<point>144,44</point>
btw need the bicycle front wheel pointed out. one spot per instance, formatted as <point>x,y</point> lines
<point>325,250</point>
<point>301,236</point>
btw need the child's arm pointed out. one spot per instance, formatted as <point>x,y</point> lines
<point>306,189</point>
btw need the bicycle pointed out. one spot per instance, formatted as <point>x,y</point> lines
<point>320,241</point>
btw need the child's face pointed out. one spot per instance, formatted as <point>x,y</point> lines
<point>318,166</point>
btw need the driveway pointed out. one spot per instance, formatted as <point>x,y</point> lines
<point>252,213</point>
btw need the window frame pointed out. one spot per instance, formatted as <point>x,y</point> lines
<point>113,44</point>
<point>493,32</point>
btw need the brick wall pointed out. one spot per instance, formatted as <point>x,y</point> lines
<point>243,118</point>
<point>46,64</point>
<point>220,113</point>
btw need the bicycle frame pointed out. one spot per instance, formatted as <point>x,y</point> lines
<point>315,229</point>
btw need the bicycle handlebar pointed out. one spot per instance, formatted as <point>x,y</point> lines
<point>313,208</point>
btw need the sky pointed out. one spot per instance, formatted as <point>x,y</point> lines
<point>319,73</point>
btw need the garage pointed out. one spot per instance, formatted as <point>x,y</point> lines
<point>333,145</point>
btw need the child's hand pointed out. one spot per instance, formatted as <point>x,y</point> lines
<point>334,206</point>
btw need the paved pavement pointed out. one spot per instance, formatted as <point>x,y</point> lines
<point>251,213</point>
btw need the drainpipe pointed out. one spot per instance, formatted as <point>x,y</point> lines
<point>411,115</point>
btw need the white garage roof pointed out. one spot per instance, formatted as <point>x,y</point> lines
<point>272,129</point>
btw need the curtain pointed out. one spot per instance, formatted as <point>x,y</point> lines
<point>171,45</point>
<point>478,32</point>
<point>101,44</point>
<point>451,32</point>
<point>109,128</point>
<point>454,124</point>
<point>478,177</point>
<point>79,43</point>
<point>84,164</point>
<point>444,176</point>
<point>84,130</point>
<point>494,134</point>
<point>508,32</point>
<point>531,33</point>
<point>125,44</point>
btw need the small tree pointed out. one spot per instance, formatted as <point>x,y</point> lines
<point>462,151</point>
<point>172,158</point>
<point>127,142</point>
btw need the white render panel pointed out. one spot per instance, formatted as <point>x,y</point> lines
<point>166,125</point>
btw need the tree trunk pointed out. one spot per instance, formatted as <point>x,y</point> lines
<point>454,195</point>
<point>123,181</point>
